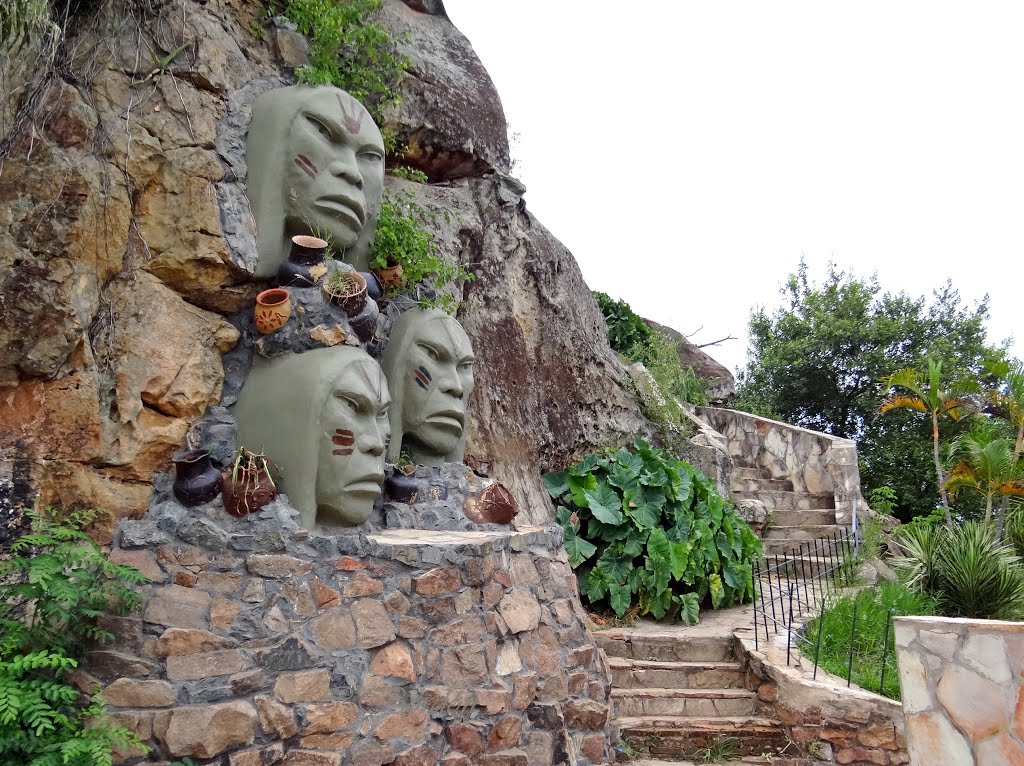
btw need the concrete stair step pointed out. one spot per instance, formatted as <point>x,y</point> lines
<point>747,472</point>
<point>670,648</point>
<point>683,702</point>
<point>803,532</point>
<point>804,518</point>
<point>652,674</point>
<point>789,501</point>
<point>759,485</point>
<point>681,737</point>
<point>795,548</point>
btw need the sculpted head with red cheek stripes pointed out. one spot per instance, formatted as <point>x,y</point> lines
<point>322,416</point>
<point>315,166</point>
<point>429,366</point>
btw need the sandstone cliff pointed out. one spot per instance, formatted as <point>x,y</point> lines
<point>119,260</point>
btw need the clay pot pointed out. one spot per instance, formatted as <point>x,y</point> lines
<point>353,298</point>
<point>374,289</point>
<point>305,265</point>
<point>273,307</point>
<point>248,494</point>
<point>401,486</point>
<point>495,505</point>
<point>391,277</point>
<point>196,481</point>
<point>364,324</point>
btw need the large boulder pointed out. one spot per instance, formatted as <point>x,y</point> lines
<point>721,385</point>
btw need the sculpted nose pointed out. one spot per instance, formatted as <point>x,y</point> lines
<point>372,441</point>
<point>346,167</point>
<point>452,385</point>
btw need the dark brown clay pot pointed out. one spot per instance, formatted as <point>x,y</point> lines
<point>196,481</point>
<point>354,299</point>
<point>402,487</point>
<point>305,265</point>
<point>252,491</point>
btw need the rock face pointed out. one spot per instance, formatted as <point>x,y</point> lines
<point>404,646</point>
<point>721,384</point>
<point>120,252</point>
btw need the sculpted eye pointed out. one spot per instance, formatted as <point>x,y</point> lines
<point>432,353</point>
<point>321,127</point>
<point>383,413</point>
<point>466,366</point>
<point>371,155</point>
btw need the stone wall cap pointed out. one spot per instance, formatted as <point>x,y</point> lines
<point>1001,626</point>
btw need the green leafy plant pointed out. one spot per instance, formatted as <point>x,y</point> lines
<point>883,500</point>
<point>402,239</point>
<point>409,174</point>
<point>349,47</point>
<point>22,21</point>
<point>875,607</point>
<point>644,528</point>
<point>721,749</point>
<point>53,590</point>
<point>969,571</point>
<point>628,334</point>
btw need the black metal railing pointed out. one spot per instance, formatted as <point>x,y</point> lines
<point>792,589</point>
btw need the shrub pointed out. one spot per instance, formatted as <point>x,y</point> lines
<point>644,529</point>
<point>53,590</point>
<point>969,571</point>
<point>349,48</point>
<point>403,239</point>
<point>875,608</point>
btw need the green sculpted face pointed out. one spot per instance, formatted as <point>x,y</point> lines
<point>322,417</point>
<point>316,166</point>
<point>354,431</point>
<point>429,365</point>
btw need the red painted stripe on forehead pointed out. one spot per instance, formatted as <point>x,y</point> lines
<point>345,451</point>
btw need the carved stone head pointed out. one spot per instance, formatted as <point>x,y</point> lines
<point>429,365</point>
<point>315,166</point>
<point>322,417</point>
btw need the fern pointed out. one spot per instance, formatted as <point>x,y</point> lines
<point>53,589</point>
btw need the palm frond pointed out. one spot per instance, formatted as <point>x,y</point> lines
<point>903,401</point>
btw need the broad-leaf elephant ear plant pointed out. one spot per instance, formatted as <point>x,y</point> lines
<point>643,527</point>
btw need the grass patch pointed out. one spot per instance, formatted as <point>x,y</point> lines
<point>873,608</point>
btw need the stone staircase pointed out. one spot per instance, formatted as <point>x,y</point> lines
<point>797,518</point>
<point>677,693</point>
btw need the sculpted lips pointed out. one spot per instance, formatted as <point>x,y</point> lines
<point>369,483</point>
<point>452,419</point>
<point>348,207</point>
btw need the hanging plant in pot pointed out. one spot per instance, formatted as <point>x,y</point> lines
<point>402,486</point>
<point>346,289</point>
<point>248,486</point>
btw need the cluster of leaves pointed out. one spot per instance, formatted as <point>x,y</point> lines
<point>968,569</point>
<point>350,48</point>
<point>402,239</point>
<point>820,362</point>
<point>22,21</point>
<point>644,529</point>
<point>631,336</point>
<point>54,587</point>
<point>874,608</point>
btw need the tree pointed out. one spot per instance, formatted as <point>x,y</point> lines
<point>924,392</point>
<point>818,362</point>
<point>987,466</point>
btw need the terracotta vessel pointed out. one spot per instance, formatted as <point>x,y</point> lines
<point>305,265</point>
<point>391,277</point>
<point>248,494</point>
<point>353,298</point>
<point>495,505</point>
<point>273,307</point>
<point>196,481</point>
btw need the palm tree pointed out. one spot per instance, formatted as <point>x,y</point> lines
<point>988,466</point>
<point>1007,402</point>
<point>924,392</point>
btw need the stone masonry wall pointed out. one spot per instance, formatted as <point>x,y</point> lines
<point>816,463</point>
<point>833,724</point>
<point>261,643</point>
<point>963,690</point>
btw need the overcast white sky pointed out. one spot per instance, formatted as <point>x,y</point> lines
<point>688,153</point>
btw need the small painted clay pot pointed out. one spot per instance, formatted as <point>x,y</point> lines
<point>364,324</point>
<point>196,481</point>
<point>248,494</point>
<point>273,307</point>
<point>400,486</point>
<point>305,265</point>
<point>352,295</point>
<point>391,277</point>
